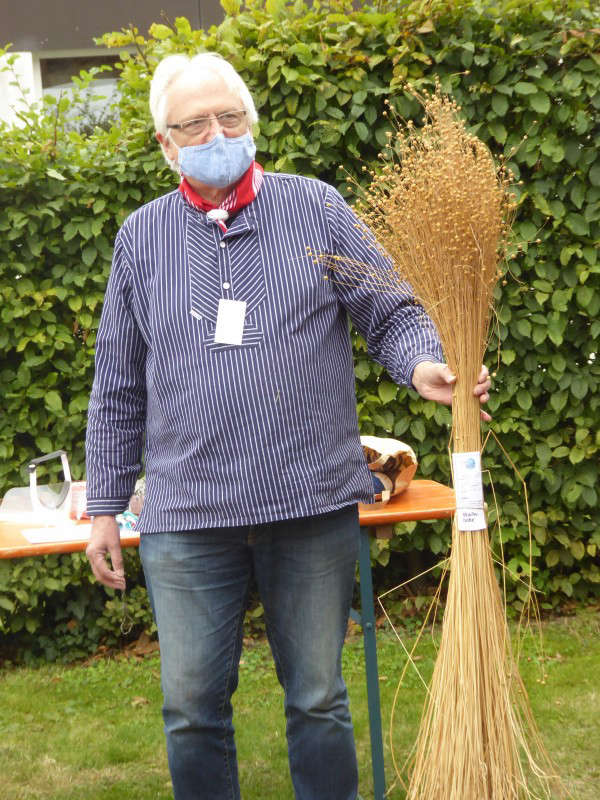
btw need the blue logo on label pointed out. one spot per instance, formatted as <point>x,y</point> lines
<point>470,463</point>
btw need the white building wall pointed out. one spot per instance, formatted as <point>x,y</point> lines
<point>26,72</point>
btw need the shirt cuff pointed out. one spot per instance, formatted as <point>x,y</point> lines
<point>109,507</point>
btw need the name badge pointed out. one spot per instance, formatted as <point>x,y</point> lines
<point>230,321</point>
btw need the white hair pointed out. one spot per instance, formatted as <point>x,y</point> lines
<point>200,66</point>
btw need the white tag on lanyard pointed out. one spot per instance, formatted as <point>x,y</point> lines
<point>230,321</point>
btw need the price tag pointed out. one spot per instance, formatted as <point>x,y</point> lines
<point>470,514</point>
<point>230,321</point>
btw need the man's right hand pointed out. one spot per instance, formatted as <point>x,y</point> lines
<point>105,539</point>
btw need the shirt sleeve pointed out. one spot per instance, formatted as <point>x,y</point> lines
<point>117,408</point>
<point>398,332</point>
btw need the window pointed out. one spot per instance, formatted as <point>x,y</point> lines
<point>95,104</point>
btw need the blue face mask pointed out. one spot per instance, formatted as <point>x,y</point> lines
<point>220,162</point>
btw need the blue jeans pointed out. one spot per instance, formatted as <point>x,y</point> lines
<point>198,584</point>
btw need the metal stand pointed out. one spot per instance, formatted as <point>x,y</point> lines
<point>367,619</point>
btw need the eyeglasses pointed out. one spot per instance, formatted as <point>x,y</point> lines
<point>193,127</point>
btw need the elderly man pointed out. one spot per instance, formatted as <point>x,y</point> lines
<point>224,352</point>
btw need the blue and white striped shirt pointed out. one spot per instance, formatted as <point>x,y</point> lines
<point>239,434</point>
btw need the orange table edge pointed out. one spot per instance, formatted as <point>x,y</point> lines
<point>423,499</point>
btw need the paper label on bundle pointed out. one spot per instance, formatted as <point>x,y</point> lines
<point>470,514</point>
<point>230,321</point>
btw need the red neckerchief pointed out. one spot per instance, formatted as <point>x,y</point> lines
<point>243,193</point>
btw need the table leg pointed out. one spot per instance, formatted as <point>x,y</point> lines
<point>370,645</point>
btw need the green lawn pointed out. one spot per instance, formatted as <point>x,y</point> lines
<point>94,732</point>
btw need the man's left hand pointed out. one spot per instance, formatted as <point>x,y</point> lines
<point>434,382</point>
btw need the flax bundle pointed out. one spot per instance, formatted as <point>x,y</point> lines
<point>441,209</point>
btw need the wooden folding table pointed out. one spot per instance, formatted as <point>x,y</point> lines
<point>422,500</point>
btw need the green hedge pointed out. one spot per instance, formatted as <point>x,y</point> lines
<point>528,79</point>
